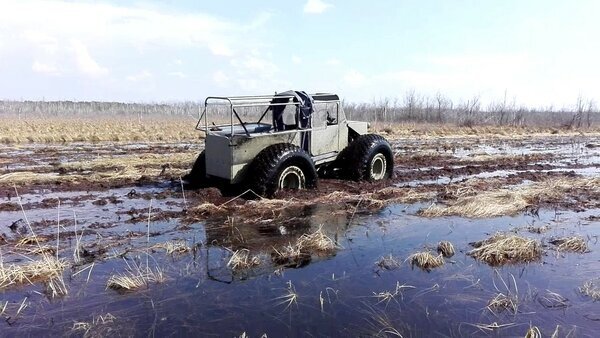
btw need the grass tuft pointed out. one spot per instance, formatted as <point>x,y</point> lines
<point>388,262</point>
<point>591,289</point>
<point>570,244</point>
<point>135,277</point>
<point>445,248</point>
<point>425,260</point>
<point>241,260</point>
<point>501,249</point>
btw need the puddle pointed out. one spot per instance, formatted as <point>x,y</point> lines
<point>344,293</point>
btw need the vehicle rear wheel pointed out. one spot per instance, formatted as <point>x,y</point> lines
<point>197,176</point>
<point>369,158</point>
<point>281,166</point>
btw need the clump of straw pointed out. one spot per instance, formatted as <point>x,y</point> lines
<point>135,277</point>
<point>445,248</point>
<point>501,249</point>
<point>388,262</point>
<point>174,247</point>
<point>48,269</point>
<point>590,289</point>
<point>534,332</point>
<point>570,244</point>
<point>503,302</point>
<point>241,260</point>
<point>425,260</point>
<point>299,253</point>
<point>317,242</point>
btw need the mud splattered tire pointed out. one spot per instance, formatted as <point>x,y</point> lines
<point>196,178</point>
<point>281,166</point>
<point>369,157</point>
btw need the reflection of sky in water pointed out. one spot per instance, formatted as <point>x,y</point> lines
<point>335,294</point>
<point>202,296</point>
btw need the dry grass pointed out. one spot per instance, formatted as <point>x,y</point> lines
<point>242,260</point>
<point>300,252</point>
<point>591,289</point>
<point>56,130</point>
<point>501,249</point>
<point>316,242</point>
<point>290,297</point>
<point>533,332</point>
<point>174,247</point>
<point>445,248</point>
<point>503,302</point>
<point>48,270</point>
<point>135,277</point>
<point>511,201</point>
<point>553,300</point>
<point>570,244</point>
<point>388,262</point>
<point>425,260</point>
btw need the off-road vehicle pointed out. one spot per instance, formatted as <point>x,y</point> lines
<point>285,141</point>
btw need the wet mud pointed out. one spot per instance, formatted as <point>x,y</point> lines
<point>107,225</point>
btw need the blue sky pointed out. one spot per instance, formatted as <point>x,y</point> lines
<point>541,53</point>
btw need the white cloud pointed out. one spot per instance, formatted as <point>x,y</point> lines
<point>355,78</point>
<point>180,75</point>
<point>144,75</point>
<point>333,62</point>
<point>220,78</point>
<point>296,60</point>
<point>43,68</point>
<point>84,61</point>
<point>316,6</point>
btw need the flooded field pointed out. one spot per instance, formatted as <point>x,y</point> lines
<point>100,239</point>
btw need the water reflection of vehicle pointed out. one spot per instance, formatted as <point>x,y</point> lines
<point>266,236</point>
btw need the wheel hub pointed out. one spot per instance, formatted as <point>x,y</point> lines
<point>292,177</point>
<point>378,167</point>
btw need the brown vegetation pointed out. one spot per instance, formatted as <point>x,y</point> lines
<point>507,201</point>
<point>425,260</point>
<point>570,244</point>
<point>501,249</point>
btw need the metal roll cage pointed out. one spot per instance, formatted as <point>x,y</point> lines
<point>257,101</point>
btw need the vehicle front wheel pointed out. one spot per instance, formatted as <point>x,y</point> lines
<point>370,158</point>
<point>279,167</point>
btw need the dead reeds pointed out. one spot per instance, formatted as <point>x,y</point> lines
<point>174,247</point>
<point>445,248</point>
<point>388,262</point>
<point>299,253</point>
<point>425,260</point>
<point>134,277</point>
<point>503,302</point>
<point>511,201</point>
<point>591,289</point>
<point>242,260</point>
<point>501,249</point>
<point>570,244</point>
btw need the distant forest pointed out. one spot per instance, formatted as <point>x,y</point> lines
<point>411,108</point>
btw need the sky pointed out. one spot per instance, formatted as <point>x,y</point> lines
<point>540,53</point>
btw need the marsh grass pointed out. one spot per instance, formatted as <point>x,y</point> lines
<point>502,249</point>
<point>425,260</point>
<point>591,289</point>
<point>173,247</point>
<point>290,297</point>
<point>445,248</point>
<point>570,244</point>
<point>533,332</point>
<point>507,201</point>
<point>242,260</point>
<point>300,252</point>
<point>388,262</point>
<point>134,277</point>
<point>553,300</point>
<point>503,302</point>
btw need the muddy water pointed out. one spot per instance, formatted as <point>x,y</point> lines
<point>335,294</point>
